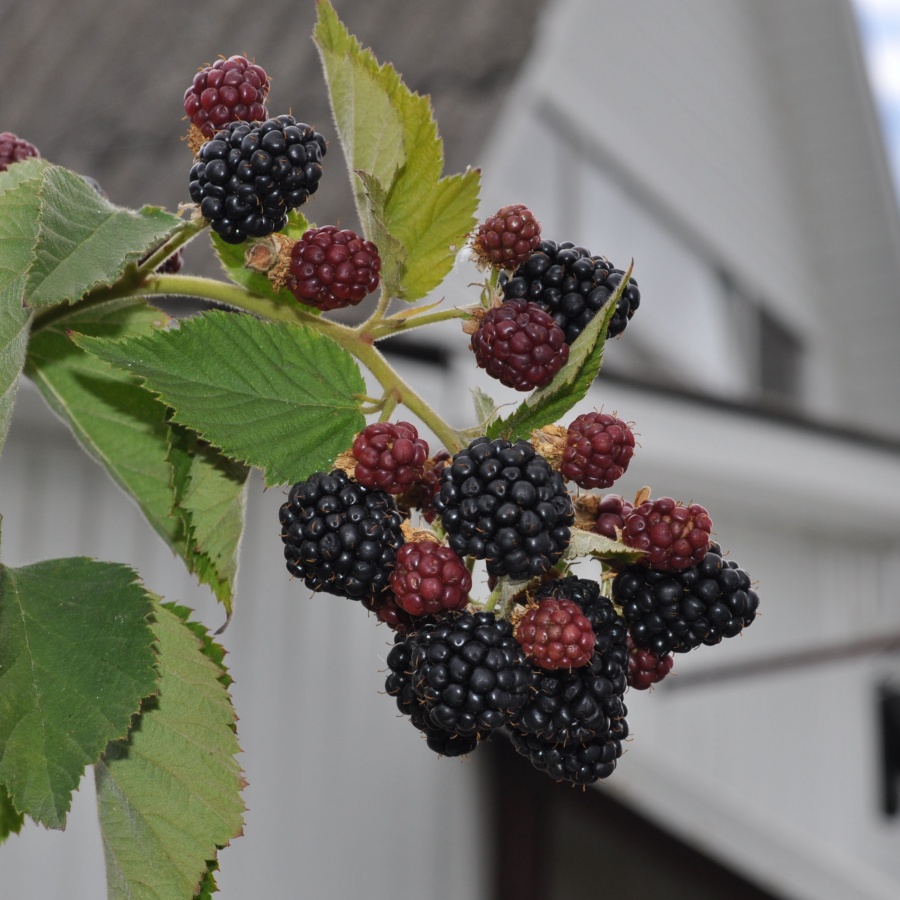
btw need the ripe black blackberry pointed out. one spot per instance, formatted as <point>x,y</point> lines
<point>13,149</point>
<point>332,268</point>
<point>503,503</point>
<point>228,90</point>
<point>249,176</point>
<point>677,611</point>
<point>520,345</point>
<point>572,286</point>
<point>398,684</point>
<point>579,763</point>
<point>469,672</point>
<point>339,536</point>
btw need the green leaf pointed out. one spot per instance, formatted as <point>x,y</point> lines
<point>232,256</point>
<point>84,241</point>
<point>115,419</point>
<point>210,496</point>
<point>272,395</point>
<point>19,205</point>
<point>571,383</point>
<point>586,543</point>
<point>169,795</point>
<point>11,820</point>
<point>75,663</point>
<point>485,406</point>
<point>392,253</point>
<point>389,134</point>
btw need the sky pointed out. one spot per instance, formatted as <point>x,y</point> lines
<point>880,27</point>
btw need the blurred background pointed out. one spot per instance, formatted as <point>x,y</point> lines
<point>735,151</point>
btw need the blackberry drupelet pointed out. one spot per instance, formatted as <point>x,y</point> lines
<point>520,345</point>
<point>572,286</point>
<point>677,611</point>
<point>469,672</point>
<point>339,536</point>
<point>503,503</point>
<point>249,176</point>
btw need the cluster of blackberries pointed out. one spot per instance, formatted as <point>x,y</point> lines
<point>550,293</point>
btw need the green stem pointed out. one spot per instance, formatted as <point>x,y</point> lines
<point>187,232</point>
<point>390,326</point>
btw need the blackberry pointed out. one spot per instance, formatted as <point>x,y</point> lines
<point>580,763</point>
<point>469,672</point>
<point>599,447</point>
<point>421,493</point>
<point>429,578</point>
<point>556,635</point>
<point>506,239</point>
<point>227,91</point>
<point>503,503</point>
<point>646,668</point>
<point>249,176</point>
<point>572,286</point>
<point>332,268</point>
<point>677,611</point>
<point>672,536</point>
<point>389,456</point>
<point>520,345</point>
<point>386,610</point>
<point>14,149</point>
<point>340,536</point>
<point>610,515</point>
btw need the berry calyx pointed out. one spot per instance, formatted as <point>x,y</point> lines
<point>520,345</point>
<point>14,149</point>
<point>674,537</point>
<point>390,456</point>
<point>331,268</point>
<point>229,90</point>
<point>599,447</point>
<point>556,634</point>
<point>645,667</point>
<point>429,579</point>
<point>506,239</point>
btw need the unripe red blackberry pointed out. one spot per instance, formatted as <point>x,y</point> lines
<point>555,634</point>
<point>429,579</point>
<point>14,149</point>
<point>421,494</point>
<point>674,537</point>
<point>332,268</point>
<point>506,239</point>
<point>227,91</point>
<point>520,345</point>
<point>386,610</point>
<point>503,503</point>
<point>599,447</point>
<point>612,510</point>
<point>249,176</point>
<point>645,667</point>
<point>573,286</point>
<point>390,456</point>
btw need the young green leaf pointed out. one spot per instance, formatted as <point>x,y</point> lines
<point>273,395</point>
<point>84,241</point>
<point>115,419</point>
<point>210,497</point>
<point>571,383</point>
<point>389,133</point>
<point>586,543</point>
<point>232,256</point>
<point>11,820</point>
<point>75,663</point>
<point>169,796</point>
<point>19,205</point>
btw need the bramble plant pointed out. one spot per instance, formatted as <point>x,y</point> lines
<point>95,670</point>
